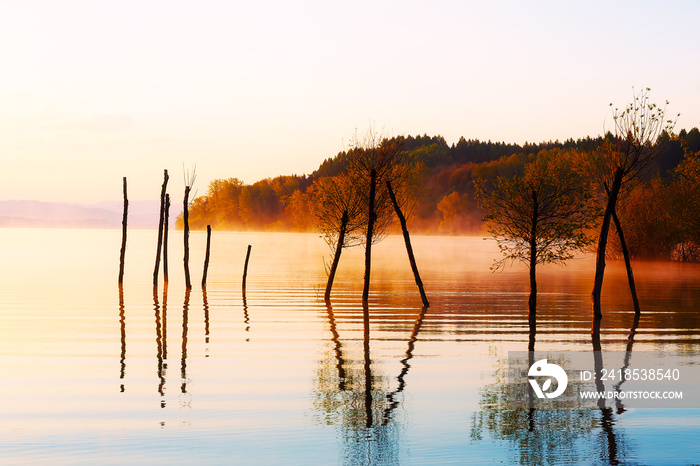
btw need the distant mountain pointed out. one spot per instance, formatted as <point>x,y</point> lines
<point>108,214</point>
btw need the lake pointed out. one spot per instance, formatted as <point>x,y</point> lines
<point>90,375</point>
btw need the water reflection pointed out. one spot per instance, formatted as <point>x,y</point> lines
<point>184,401</point>
<point>337,348</point>
<point>391,397</point>
<point>122,328</point>
<point>351,393</point>
<point>205,304</point>
<point>246,317</point>
<point>626,363</point>
<point>161,339</point>
<point>368,366</point>
<point>540,436</point>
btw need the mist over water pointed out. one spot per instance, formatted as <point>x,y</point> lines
<point>276,376</point>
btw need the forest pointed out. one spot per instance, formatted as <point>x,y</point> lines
<point>659,211</point>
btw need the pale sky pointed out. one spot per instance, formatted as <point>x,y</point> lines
<point>91,91</point>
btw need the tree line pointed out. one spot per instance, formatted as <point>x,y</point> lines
<point>658,210</point>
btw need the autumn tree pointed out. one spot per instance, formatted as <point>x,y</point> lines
<point>357,205</point>
<point>623,161</point>
<point>540,216</point>
<point>685,207</point>
<point>338,213</point>
<point>371,163</point>
<point>452,207</point>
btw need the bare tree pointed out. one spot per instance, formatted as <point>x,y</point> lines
<point>189,178</point>
<point>371,163</point>
<point>356,206</point>
<point>338,211</point>
<point>635,146</point>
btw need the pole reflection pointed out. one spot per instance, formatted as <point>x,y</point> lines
<point>122,327</point>
<point>183,360</point>
<point>246,317</point>
<point>205,304</point>
<point>160,358</point>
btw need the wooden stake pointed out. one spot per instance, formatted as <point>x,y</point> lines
<point>185,216</point>
<point>245,269</point>
<point>206,258</point>
<point>123,249</point>
<point>160,227</point>
<point>165,238</point>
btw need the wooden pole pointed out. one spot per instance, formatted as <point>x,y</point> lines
<point>245,268</point>
<point>206,257</point>
<point>160,227</point>
<point>123,249</point>
<point>185,216</point>
<point>165,238</point>
<point>409,248</point>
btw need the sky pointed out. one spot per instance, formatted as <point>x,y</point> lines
<point>91,91</point>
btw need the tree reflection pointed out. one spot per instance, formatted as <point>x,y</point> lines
<point>613,444</point>
<point>540,436</point>
<point>628,357</point>
<point>351,394</point>
<point>391,397</point>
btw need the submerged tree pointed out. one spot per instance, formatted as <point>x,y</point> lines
<point>338,210</point>
<point>540,216</point>
<point>356,206</point>
<point>372,162</point>
<point>635,146</point>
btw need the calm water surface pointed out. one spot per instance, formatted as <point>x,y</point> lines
<point>91,375</point>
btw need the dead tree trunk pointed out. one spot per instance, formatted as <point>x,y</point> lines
<point>628,265</point>
<point>245,269</point>
<point>370,233</point>
<point>602,243</point>
<point>185,217</point>
<point>160,227</point>
<point>336,257</point>
<point>123,249</point>
<point>165,238</point>
<point>206,258</point>
<point>409,249</point>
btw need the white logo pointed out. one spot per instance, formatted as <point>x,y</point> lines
<point>542,369</point>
